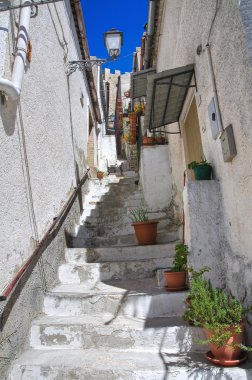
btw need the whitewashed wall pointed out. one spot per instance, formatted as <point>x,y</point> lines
<point>186,25</point>
<point>155,176</point>
<point>50,124</point>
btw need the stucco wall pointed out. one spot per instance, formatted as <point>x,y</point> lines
<point>44,137</point>
<point>186,24</point>
<point>14,337</point>
<point>155,176</point>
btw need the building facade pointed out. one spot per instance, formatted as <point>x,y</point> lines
<point>212,118</point>
<point>50,120</point>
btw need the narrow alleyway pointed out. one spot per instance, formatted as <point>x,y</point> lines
<point>108,318</point>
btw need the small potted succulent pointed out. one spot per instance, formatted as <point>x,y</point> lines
<point>176,276</point>
<point>222,317</point>
<point>202,170</point>
<point>145,229</point>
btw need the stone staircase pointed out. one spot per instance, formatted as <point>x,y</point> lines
<point>107,319</point>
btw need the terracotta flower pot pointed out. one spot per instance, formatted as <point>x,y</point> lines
<point>160,140</point>
<point>227,353</point>
<point>148,141</point>
<point>99,175</point>
<point>146,232</point>
<point>175,280</point>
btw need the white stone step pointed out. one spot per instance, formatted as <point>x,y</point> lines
<point>94,240</point>
<point>106,216</point>
<point>89,265</point>
<point>130,253</point>
<point>111,229</point>
<point>135,298</point>
<point>120,365</point>
<point>101,332</point>
<point>93,272</point>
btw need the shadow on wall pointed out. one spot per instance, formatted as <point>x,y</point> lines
<point>8,112</point>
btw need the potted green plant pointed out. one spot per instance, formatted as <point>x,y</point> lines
<point>145,229</point>
<point>222,317</point>
<point>176,276</point>
<point>99,174</point>
<point>202,170</point>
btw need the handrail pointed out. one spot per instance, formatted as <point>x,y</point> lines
<point>13,289</point>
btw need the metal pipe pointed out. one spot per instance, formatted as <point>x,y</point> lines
<point>149,34</point>
<point>13,87</point>
<point>215,95</point>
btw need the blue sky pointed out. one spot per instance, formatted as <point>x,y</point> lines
<point>127,16</point>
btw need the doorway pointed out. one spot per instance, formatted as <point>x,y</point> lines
<point>192,138</point>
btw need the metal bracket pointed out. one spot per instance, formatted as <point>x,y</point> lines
<point>83,65</point>
<point>15,4</point>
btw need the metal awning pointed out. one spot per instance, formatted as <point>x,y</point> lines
<point>165,96</point>
<point>139,82</point>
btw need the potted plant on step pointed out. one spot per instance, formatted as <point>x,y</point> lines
<point>145,229</point>
<point>99,174</point>
<point>222,317</point>
<point>176,277</point>
<point>202,170</point>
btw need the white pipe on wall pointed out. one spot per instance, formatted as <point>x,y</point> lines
<point>215,95</point>
<point>13,87</point>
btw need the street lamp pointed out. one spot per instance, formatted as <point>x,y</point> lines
<point>113,40</point>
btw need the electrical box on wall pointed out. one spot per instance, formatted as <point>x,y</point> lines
<point>228,144</point>
<point>213,119</point>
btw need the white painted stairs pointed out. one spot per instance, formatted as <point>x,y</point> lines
<point>107,319</point>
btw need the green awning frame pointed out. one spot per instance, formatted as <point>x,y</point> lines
<point>139,82</point>
<point>166,94</point>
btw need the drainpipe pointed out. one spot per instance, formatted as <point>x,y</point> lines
<point>149,34</point>
<point>215,95</point>
<point>12,87</point>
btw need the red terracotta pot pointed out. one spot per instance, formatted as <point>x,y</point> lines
<point>160,140</point>
<point>175,280</point>
<point>227,353</point>
<point>146,232</point>
<point>99,175</point>
<point>148,141</point>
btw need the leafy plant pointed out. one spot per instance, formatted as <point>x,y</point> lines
<point>99,170</point>
<point>193,164</point>
<point>213,309</point>
<point>180,258</point>
<point>139,215</point>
